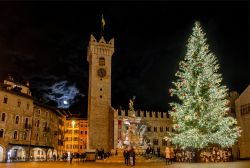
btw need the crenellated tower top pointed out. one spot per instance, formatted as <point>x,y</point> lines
<point>102,46</point>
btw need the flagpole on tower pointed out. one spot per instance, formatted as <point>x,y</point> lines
<point>103,24</point>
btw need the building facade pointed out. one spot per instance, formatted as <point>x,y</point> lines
<point>75,134</point>
<point>28,130</point>
<point>242,108</point>
<point>158,125</point>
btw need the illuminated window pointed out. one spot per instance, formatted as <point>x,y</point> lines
<point>5,99</point>
<point>101,61</point>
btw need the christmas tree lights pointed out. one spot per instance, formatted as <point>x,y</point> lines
<point>200,116</point>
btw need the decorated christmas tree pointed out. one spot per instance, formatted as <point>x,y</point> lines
<point>200,115</point>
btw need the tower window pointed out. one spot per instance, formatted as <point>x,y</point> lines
<point>15,135</point>
<point>101,96</point>
<point>3,117</point>
<point>17,119</point>
<point>101,61</point>
<point>100,89</point>
<point>18,103</point>
<point>1,133</point>
<point>5,99</point>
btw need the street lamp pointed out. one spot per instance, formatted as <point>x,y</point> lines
<point>73,124</point>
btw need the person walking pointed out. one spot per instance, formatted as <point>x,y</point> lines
<point>132,156</point>
<point>71,157</point>
<point>167,152</point>
<point>126,156</point>
<point>172,155</point>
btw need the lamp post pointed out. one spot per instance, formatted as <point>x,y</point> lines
<point>73,124</point>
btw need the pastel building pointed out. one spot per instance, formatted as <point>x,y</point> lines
<point>242,108</point>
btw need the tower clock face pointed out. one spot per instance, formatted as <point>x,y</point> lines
<point>101,72</point>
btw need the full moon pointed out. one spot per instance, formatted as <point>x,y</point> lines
<point>65,102</point>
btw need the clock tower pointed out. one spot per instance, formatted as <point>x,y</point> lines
<point>100,119</point>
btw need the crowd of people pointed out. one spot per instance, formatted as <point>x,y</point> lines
<point>102,155</point>
<point>129,156</point>
<point>78,156</point>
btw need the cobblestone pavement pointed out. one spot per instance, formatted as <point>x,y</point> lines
<point>238,164</point>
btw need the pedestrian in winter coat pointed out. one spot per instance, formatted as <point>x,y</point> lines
<point>132,156</point>
<point>167,152</point>
<point>126,156</point>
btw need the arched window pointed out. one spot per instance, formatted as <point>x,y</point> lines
<point>15,134</point>
<point>101,61</point>
<point>5,99</point>
<point>1,133</point>
<point>17,119</point>
<point>3,117</point>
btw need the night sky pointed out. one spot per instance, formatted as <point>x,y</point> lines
<point>46,43</point>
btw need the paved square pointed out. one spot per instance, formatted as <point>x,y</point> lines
<point>238,164</point>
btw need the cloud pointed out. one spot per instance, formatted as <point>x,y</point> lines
<point>62,93</point>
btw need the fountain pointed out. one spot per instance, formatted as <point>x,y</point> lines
<point>133,132</point>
